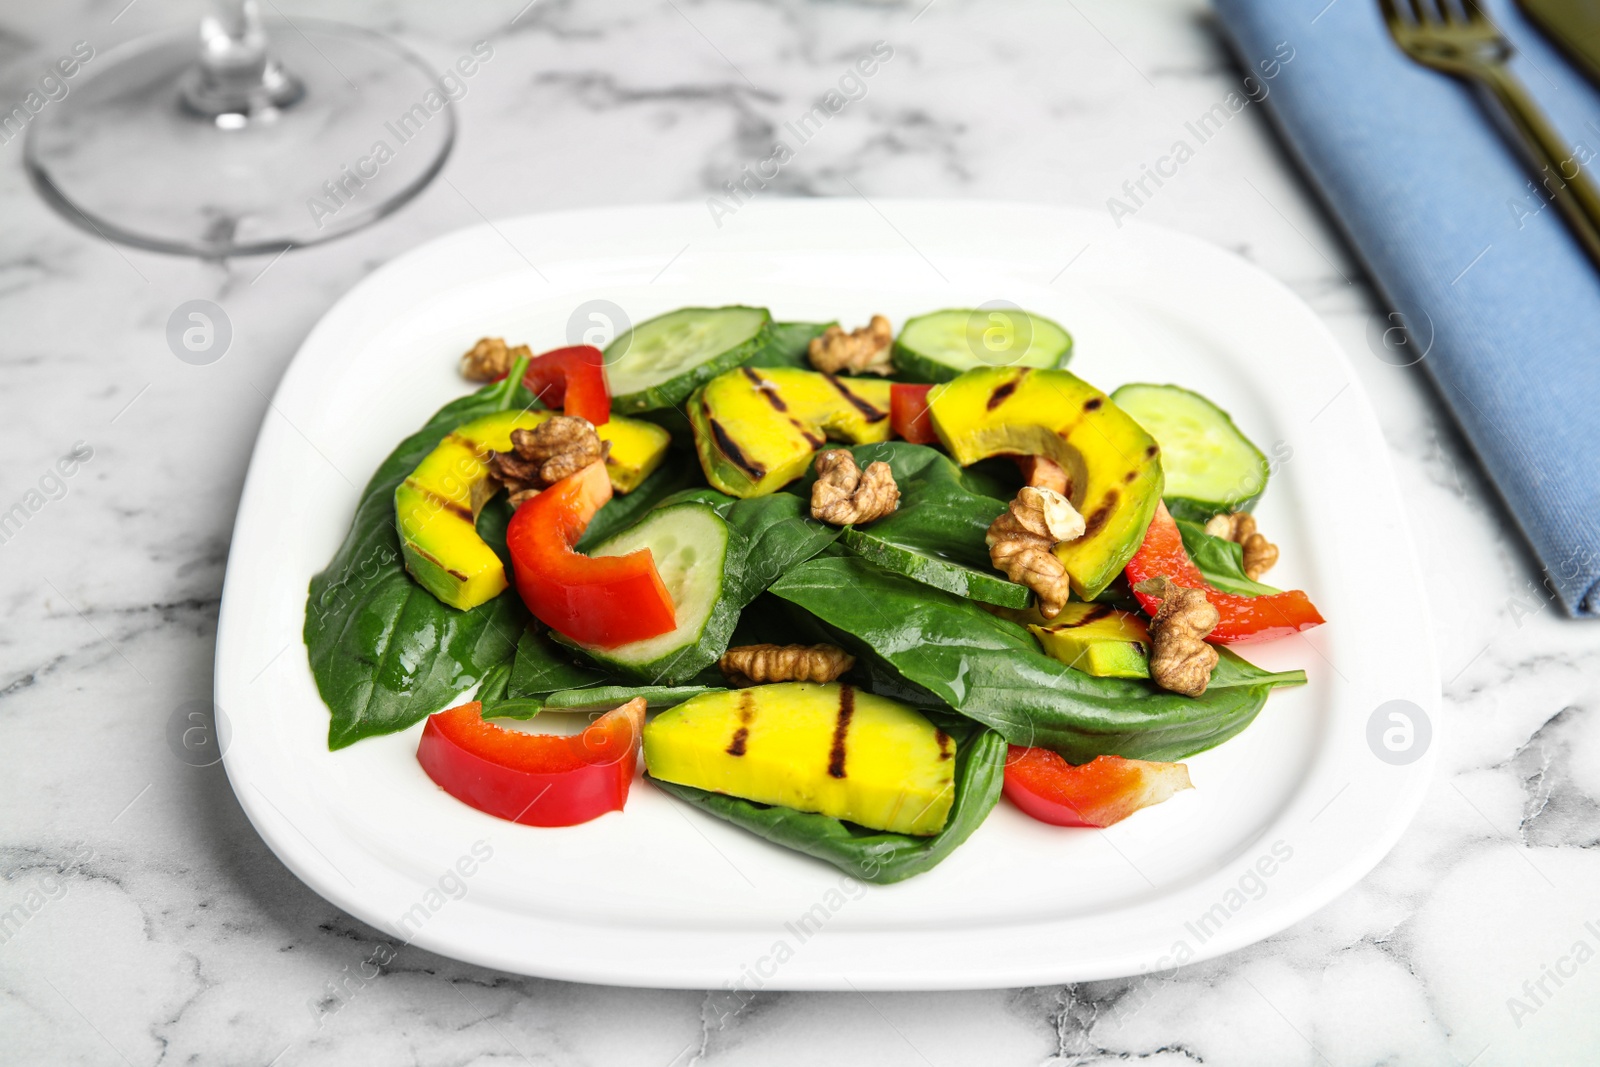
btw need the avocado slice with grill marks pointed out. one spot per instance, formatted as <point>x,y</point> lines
<point>831,749</point>
<point>1113,466</point>
<point>436,507</point>
<point>756,429</point>
<point>1097,639</point>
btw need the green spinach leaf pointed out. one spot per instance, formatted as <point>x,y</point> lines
<point>606,697</point>
<point>384,651</point>
<point>787,344</point>
<point>1220,560</point>
<point>779,535</point>
<point>871,855</point>
<point>541,667</point>
<point>936,535</point>
<point>497,704</point>
<point>991,670</point>
<point>603,695</point>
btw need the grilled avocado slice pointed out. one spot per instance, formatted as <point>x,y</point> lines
<point>757,428</point>
<point>436,507</point>
<point>1113,466</point>
<point>830,749</point>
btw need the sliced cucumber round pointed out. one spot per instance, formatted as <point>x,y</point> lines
<point>939,346</point>
<point>1210,466</point>
<point>944,574</point>
<point>658,363</point>
<point>691,547</point>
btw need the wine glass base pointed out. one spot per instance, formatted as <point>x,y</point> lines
<point>123,154</point>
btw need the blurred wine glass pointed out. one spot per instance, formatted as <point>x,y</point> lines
<point>256,136</point>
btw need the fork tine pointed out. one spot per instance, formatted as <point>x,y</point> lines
<point>1475,15</point>
<point>1391,14</point>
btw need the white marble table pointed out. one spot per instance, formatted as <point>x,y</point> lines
<point>157,928</point>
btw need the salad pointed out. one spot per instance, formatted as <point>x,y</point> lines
<point>841,588</point>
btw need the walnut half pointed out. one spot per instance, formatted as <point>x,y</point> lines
<point>1180,659</point>
<point>863,351</point>
<point>562,445</point>
<point>1022,539</point>
<point>761,664</point>
<point>490,359</point>
<point>1259,553</point>
<point>845,494</point>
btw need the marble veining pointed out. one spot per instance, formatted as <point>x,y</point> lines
<point>156,927</point>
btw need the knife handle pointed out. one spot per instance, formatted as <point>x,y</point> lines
<point>1564,179</point>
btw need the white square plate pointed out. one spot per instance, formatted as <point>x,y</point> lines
<point>1281,819</point>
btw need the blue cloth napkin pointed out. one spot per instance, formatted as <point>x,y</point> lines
<point>1462,246</point>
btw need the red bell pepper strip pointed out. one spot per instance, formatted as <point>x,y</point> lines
<point>601,600</point>
<point>1104,791</point>
<point>908,413</point>
<point>572,379</point>
<point>534,779</point>
<point>1244,618</point>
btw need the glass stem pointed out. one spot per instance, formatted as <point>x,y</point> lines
<point>236,74</point>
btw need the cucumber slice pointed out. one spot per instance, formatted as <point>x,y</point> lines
<point>657,364</point>
<point>941,345</point>
<point>930,569</point>
<point>1210,466</point>
<point>694,553</point>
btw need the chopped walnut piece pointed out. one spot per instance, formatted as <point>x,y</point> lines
<point>1259,556</point>
<point>1180,658</point>
<point>515,473</point>
<point>1061,520</point>
<point>560,446</point>
<point>845,494</point>
<point>863,351</point>
<point>760,664</point>
<point>1259,553</point>
<point>490,359</point>
<point>1020,543</point>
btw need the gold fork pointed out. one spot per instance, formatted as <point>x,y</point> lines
<point>1461,41</point>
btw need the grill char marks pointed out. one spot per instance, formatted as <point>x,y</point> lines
<point>1099,611</point>
<point>946,748</point>
<point>841,730</point>
<point>747,715</point>
<point>810,438</point>
<point>727,446</point>
<point>766,389</point>
<point>1001,392</point>
<point>868,411</point>
<point>1101,514</point>
<point>442,503</point>
<point>472,446</point>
